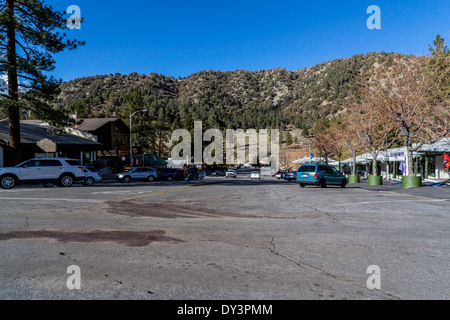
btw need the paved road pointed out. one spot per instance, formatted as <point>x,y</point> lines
<point>225,239</point>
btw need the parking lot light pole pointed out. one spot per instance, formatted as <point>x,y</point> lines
<point>131,137</point>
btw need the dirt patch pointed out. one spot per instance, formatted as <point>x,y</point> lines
<point>166,210</point>
<point>129,238</point>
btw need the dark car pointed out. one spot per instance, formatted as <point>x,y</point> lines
<point>219,173</point>
<point>290,176</point>
<point>320,175</point>
<point>194,175</point>
<point>169,174</point>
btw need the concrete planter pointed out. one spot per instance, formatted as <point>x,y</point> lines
<point>375,180</point>
<point>353,179</point>
<point>411,182</point>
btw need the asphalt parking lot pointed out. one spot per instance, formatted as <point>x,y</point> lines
<point>225,239</point>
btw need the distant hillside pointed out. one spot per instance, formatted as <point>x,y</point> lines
<point>275,98</point>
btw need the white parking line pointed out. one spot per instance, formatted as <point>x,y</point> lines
<point>389,201</point>
<point>21,190</point>
<point>54,199</point>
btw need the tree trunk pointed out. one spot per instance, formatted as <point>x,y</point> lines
<point>13,87</point>
<point>374,164</point>
<point>410,162</point>
<point>354,165</point>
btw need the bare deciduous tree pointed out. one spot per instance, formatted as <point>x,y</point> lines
<point>414,97</point>
<point>374,129</point>
<point>348,134</point>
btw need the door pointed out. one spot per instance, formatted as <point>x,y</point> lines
<point>337,176</point>
<point>327,173</point>
<point>138,174</point>
<point>51,169</point>
<point>145,173</point>
<point>30,170</point>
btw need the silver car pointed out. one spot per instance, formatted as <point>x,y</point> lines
<point>143,174</point>
<point>231,174</point>
<point>49,171</point>
<point>92,177</point>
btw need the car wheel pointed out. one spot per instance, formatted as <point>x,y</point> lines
<point>150,178</point>
<point>301,185</point>
<point>8,182</point>
<point>89,181</point>
<point>48,185</point>
<point>66,181</point>
<point>169,179</point>
<point>322,184</point>
<point>343,184</point>
<point>127,179</point>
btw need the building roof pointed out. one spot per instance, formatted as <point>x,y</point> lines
<point>439,147</point>
<point>92,124</point>
<point>33,133</point>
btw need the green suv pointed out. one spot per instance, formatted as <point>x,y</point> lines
<point>320,175</point>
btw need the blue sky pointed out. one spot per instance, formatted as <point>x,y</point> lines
<point>178,38</point>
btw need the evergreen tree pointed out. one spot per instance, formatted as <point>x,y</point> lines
<point>161,126</point>
<point>289,138</point>
<point>188,123</point>
<point>176,124</point>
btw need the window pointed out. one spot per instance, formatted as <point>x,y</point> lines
<point>336,171</point>
<point>326,169</point>
<point>322,169</point>
<point>52,163</point>
<point>45,155</point>
<point>32,164</point>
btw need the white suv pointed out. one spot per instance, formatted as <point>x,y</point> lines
<point>231,174</point>
<point>62,171</point>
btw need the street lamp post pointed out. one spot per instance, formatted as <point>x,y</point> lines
<point>131,137</point>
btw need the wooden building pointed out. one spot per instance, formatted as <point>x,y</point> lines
<point>40,140</point>
<point>114,135</point>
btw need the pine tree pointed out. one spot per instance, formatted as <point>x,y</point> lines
<point>30,34</point>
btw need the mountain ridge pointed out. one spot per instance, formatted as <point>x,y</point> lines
<point>266,98</point>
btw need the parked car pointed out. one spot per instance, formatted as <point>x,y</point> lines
<point>61,171</point>
<point>279,175</point>
<point>255,175</point>
<point>169,174</point>
<point>290,176</point>
<point>320,175</point>
<point>231,174</point>
<point>196,175</point>
<point>219,173</point>
<point>92,176</point>
<point>143,174</point>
